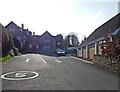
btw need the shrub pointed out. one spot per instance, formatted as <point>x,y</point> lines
<point>7,41</point>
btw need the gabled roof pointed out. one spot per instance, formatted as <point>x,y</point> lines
<point>46,32</point>
<point>57,37</point>
<point>20,29</point>
<point>105,29</point>
<point>15,25</point>
<point>1,26</point>
<point>10,23</point>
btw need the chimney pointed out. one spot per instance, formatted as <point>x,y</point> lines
<point>33,33</point>
<point>22,26</point>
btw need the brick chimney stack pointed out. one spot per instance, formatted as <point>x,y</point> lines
<point>33,33</point>
<point>22,26</point>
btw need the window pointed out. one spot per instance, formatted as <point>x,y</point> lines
<point>100,42</point>
<point>58,43</point>
<point>46,47</point>
<point>30,45</point>
<point>11,29</point>
<point>37,46</point>
<point>47,41</point>
<point>18,37</point>
<point>104,41</point>
<point>27,33</point>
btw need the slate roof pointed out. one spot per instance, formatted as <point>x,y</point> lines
<point>105,29</point>
<point>57,37</point>
<point>14,24</point>
<point>116,32</point>
<point>46,32</point>
<point>20,29</point>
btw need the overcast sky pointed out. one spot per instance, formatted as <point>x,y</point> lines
<point>58,16</point>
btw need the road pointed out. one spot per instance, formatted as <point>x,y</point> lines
<point>58,73</point>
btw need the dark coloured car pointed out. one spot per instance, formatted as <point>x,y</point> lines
<point>60,52</point>
<point>72,50</point>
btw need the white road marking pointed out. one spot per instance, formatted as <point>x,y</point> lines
<point>20,74</point>
<point>83,60</point>
<point>27,60</point>
<point>4,76</point>
<point>58,61</point>
<point>42,59</point>
<point>39,56</point>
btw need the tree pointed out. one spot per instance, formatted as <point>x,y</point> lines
<point>73,39</point>
<point>65,42</point>
<point>7,41</point>
<point>84,38</point>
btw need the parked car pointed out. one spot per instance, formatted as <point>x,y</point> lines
<point>60,52</point>
<point>72,50</point>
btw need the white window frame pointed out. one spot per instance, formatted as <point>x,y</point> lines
<point>37,46</point>
<point>27,33</point>
<point>58,43</point>
<point>30,45</point>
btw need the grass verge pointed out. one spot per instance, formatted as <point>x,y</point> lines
<point>5,58</point>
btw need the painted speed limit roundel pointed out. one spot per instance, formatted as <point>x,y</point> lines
<point>20,75</point>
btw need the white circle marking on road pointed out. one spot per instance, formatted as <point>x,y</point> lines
<point>36,75</point>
